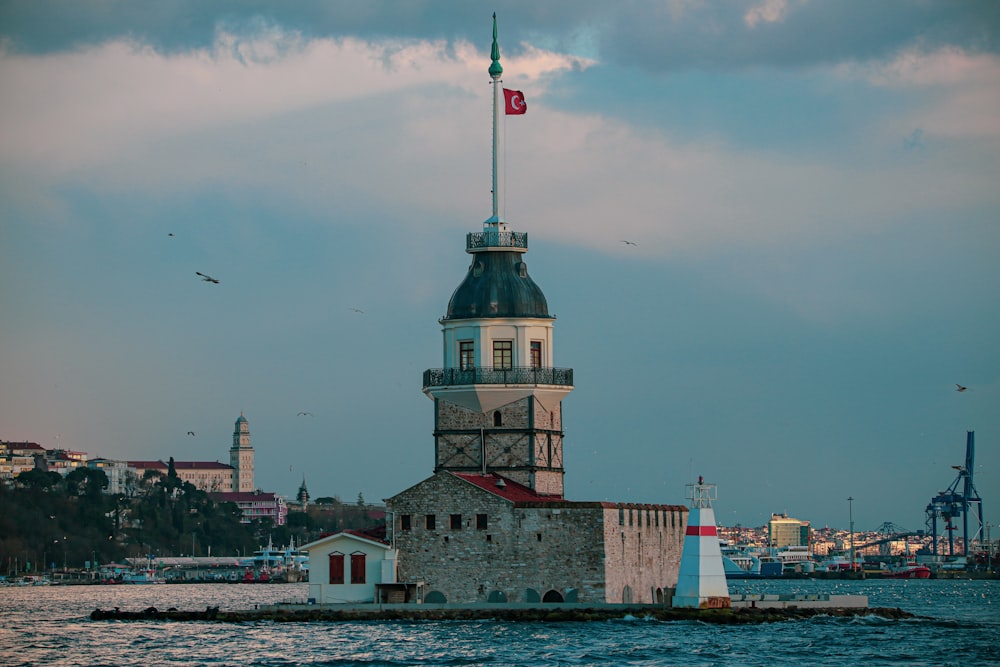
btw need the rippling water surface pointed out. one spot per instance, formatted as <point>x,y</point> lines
<point>959,625</point>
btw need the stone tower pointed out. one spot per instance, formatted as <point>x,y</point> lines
<point>241,456</point>
<point>498,397</point>
<point>303,495</point>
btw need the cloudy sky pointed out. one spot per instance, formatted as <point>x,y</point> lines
<point>813,188</point>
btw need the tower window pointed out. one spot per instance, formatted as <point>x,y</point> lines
<point>466,355</point>
<point>536,354</point>
<point>497,418</point>
<point>503,354</point>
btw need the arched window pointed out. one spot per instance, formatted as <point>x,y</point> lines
<point>336,568</point>
<point>357,568</point>
<point>497,418</point>
<point>435,597</point>
<point>552,596</point>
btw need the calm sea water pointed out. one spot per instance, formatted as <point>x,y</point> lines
<point>51,626</point>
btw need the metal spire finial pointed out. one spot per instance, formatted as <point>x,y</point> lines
<point>495,69</point>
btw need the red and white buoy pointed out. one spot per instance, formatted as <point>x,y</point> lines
<point>701,583</point>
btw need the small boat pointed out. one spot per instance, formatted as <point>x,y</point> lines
<point>840,564</point>
<point>908,571</point>
<point>143,576</point>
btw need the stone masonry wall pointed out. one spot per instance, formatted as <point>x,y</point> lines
<point>514,452</point>
<point>644,544</point>
<point>549,547</point>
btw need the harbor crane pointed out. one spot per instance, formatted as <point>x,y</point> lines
<point>889,533</point>
<point>960,500</point>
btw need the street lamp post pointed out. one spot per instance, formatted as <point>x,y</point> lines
<point>850,510</point>
<point>989,549</point>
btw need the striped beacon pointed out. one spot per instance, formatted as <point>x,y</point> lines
<point>701,583</point>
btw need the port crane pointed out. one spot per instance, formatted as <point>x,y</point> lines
<point>890,533</point>
<point>960,500</point>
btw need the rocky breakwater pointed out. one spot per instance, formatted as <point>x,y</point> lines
<point>355,613</point>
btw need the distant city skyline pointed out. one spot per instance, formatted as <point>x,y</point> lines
<point>209,209</point>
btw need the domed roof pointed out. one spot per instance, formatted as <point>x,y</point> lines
<point>241,419</point>
<point>497,285</point>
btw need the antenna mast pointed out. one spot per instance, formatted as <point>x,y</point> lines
<point>495,71</point>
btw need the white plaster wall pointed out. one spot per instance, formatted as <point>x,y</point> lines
<point>484,331</point>
<point>376,557</point>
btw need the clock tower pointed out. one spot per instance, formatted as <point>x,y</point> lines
<point>241,457</point>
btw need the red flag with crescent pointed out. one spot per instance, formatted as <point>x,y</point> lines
<point>515,102</point>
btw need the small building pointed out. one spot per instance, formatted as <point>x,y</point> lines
<point>256,505</point>
<point>784,531</point>
<point>18,457</point>
<point>64,461</point>
<point>351,567</point>
<point>121,478</point>
<point>474,538</point>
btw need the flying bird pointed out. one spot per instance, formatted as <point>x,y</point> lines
<point>190,432</point>
<point>960,388</point>
<point>208,279</point>
<point>358,310</point>
<point>170,234</point>
<point>629,242</point>
<point>305,414</point>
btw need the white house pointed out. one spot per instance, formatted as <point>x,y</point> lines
<point>350,567</point>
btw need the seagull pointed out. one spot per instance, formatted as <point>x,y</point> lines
<point>208,279</point>
<point>190,432</point>
<point>358,310</point>
<point>629,242</point>
<point>170,234</point>
<point>960,388</point>
<point>305,414</point>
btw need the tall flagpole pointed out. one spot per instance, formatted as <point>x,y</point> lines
<point>495,71</point>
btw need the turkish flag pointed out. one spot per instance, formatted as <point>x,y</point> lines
<point>515,102</point>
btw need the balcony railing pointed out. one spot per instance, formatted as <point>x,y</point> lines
<point>496,239</point>
<point>447,377</point>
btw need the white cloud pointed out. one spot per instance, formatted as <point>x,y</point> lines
<point>399,127</point>
<point>768,11</point>
<point>961,89</point>
<point>75,110</point>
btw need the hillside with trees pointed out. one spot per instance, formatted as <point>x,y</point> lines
<point>51,522</point>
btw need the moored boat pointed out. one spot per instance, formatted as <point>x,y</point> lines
<point>143,576</point>
<point>908,571</point>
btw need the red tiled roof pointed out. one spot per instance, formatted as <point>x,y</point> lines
<point>200,465</point>
<point>354,533</point>
<point>524,496</point>
<point>180,465</point>
<point>511,490</point>
<point>240,496</point>
<point>153,465</point>
<point>365,536</point>
<point>22,445</point>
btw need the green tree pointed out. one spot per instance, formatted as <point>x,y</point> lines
<point>38,479</point>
